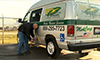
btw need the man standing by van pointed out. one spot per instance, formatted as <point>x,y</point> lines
<point>24,32</point>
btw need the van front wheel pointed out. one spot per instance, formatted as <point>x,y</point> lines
<point>52,49</point>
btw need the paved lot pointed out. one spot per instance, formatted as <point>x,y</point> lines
<point>8,52</point>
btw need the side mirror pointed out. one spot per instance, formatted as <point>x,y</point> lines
<point>20,21</point>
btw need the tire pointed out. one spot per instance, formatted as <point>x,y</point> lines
<point>52,49</point>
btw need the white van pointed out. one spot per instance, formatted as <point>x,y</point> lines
<point>66,24</point>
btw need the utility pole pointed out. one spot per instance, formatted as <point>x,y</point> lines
<point>2,29</point>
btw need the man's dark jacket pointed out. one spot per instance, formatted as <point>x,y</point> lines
<point>27,29</point>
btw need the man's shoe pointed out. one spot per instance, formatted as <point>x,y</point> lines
<point>27,52</point>
<point>19,54</point>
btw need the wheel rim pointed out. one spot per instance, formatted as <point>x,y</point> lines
<point>50,48</point>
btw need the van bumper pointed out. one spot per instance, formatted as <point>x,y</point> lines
<point>83,46</point>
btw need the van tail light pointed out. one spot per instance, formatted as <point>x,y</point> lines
<point>70,31</point>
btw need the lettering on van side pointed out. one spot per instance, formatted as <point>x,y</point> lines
<point>54,28</point>
<point>53,23</point>
<point>85,29</point>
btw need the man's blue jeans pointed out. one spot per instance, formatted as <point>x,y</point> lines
<point>22,39</point>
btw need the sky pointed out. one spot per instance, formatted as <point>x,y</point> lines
<point>15,8</point>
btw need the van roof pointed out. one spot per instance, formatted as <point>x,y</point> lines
<point>43,2</point>
<point>46,2</point>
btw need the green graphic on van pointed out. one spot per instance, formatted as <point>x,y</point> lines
<point>85,29</point>
<point>91,11</point>
<point>52,11</point>
<point>97,36</point>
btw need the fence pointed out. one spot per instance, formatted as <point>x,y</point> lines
<point>8,30</point>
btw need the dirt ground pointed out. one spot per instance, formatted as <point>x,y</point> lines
<point>10,37</point>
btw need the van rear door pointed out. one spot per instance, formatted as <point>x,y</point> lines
<point>88,27</point>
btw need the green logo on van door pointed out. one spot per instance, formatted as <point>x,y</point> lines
<point>52,11</point>
<point>85,29</point>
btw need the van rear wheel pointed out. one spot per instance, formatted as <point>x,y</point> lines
<point>52,49</point>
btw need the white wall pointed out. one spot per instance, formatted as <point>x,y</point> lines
<point>9,22</point>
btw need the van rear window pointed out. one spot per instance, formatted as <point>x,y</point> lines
<point>87,11</point>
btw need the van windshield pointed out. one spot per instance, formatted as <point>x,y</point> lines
<point>27,17</point>
<point>87,11</point>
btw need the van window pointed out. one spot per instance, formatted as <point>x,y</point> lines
<point>27,17</point>
<point>54,12</point>
<point>35,15</point>
<point>87,11</point>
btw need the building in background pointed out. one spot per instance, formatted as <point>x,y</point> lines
<point>10,23</point>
